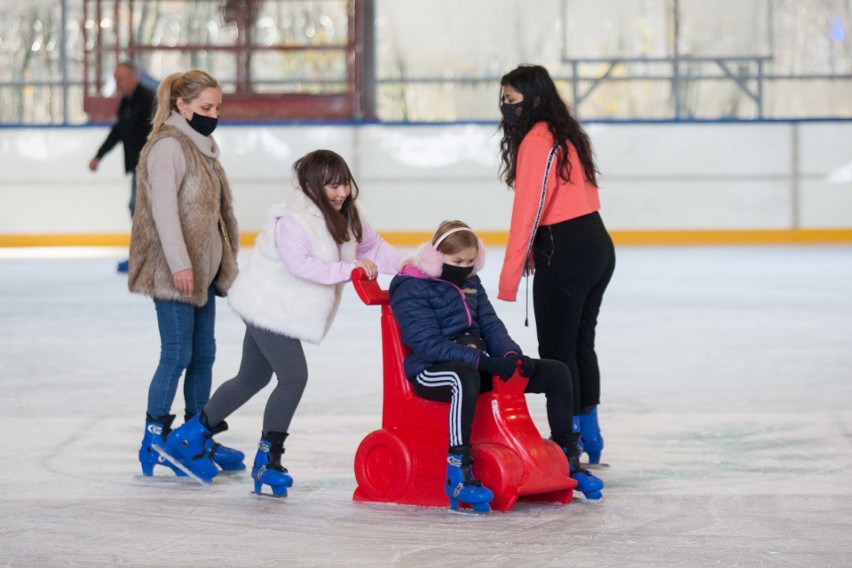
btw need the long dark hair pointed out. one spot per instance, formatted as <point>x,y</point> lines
<point>318,169</point>
<point>542,103</point>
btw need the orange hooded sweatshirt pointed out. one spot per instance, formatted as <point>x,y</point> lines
<point>536,206</point>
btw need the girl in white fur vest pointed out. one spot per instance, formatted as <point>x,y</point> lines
<point>288,292</point>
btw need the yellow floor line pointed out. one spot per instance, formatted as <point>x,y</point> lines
<point>496,238</point>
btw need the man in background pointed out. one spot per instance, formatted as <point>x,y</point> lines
<point>132,126</point>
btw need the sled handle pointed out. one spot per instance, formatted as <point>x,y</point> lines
<point>369,290</point>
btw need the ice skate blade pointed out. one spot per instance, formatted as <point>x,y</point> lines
<point>469,512</point>
<point>164,479</point>
<point>269,495</point>
<point>593,498</point>
<point>596,465</point>
<point>180,466</point>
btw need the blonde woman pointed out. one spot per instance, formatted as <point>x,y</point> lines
<point>183,253</point>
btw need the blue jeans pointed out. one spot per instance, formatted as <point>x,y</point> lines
<point>187,342</point>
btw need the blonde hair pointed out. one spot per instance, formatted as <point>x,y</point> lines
<point>457,241</point>
<point>184,85</point>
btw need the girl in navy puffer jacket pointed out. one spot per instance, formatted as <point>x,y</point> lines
<point>458,345</point>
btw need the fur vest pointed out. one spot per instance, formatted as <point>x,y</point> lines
<point>269,296</point>
<point>202,197</point>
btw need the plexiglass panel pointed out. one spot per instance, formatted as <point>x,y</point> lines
<point>441,60</point>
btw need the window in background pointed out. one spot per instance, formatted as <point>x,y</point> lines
<point>415,61</point>
<point>275,59</point>
<point>40,62</point>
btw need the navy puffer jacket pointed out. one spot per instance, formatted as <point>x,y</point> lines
<point>432,313</point>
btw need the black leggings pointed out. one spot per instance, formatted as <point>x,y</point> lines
<point>574,261</point>
<point>460,385</point>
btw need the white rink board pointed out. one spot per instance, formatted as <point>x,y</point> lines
<point>724,176</point>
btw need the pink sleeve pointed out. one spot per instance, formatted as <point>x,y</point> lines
<point>373,247</point>
<point>294,250</point>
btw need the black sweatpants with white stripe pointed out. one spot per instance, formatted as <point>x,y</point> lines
<point>461,384</point>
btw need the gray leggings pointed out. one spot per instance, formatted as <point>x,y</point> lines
<point>264,352</point>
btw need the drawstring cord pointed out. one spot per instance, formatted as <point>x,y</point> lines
<point>541,201</point>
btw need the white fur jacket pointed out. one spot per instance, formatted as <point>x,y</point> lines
<point>267,295</point>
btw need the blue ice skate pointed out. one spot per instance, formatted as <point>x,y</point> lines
<point>267,468</point>
<point>155,430</point>
<point>186,449</point>
<point>592,441</point>
<point>587,483</point>
<point>575,427</point>
<point>462,486</point>
<point>228,459</point>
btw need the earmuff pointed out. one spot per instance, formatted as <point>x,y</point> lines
<point>431,261</point>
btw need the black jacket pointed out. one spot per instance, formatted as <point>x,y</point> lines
<point>132,127</point>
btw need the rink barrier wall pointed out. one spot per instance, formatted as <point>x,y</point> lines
<point>493,238</point>
<point>662,183</point>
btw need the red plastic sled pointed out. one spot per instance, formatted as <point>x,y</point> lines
<point>405,461</point>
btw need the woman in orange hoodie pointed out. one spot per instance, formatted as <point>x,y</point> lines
<point>556,233</point>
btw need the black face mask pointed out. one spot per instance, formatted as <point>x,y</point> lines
<point>512,113</point>
<point>455,274</point>
<point>204,125</point>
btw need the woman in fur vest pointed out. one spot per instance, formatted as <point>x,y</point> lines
<point>183,252</point>
<point>288,292</point>
<point>458,346</point>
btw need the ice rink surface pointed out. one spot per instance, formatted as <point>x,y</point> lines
<point>727,385</point>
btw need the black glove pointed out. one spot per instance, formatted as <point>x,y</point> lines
<point>502,367</point>
<point>527,364</point>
